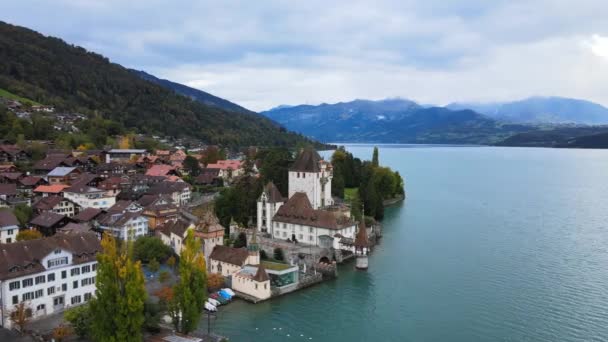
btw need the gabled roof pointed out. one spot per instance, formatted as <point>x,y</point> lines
<point>61,171</point>
<point>24,257</point>
<point>47,219</point>
<point>53,189</point>
<point>307,161</point>
<point>298,210</point>
<point>231,164</point>
<point>167,187</point>
<point>31,180</point>
<point>49,163</point>
<point>48,203</point>
<point>230,255</point>
<point>8,189</point>
<point>7,218</point>
<point>160,170</point>
<point>273,194</point>
<point>177,227</point>
<point>13,176</point>
<point>87,215</point>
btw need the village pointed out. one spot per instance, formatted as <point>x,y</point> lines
<point>55,213</point>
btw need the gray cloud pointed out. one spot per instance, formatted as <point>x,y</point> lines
<point>261,54</point>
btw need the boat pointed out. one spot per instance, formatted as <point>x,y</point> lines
<point>214,302</point>
<point>229,291</point>
<point>209,307</point>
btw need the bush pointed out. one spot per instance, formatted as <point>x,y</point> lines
<point>28,234</point>
<point>152,316</point>
<point>154,266</point>
<point>80,319</point>
<point>163,276</point>
<point>147,248</point>
<point>215,281</point>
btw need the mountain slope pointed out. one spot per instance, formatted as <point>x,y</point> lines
<point>392,121</point>
<point>49,71</point>
<point>195,94</point>
<point>557,110</point>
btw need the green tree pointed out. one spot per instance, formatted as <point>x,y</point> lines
<point>263,255</point>
<point>117,310</point>
<point>147,248</point>
<point>191,289</point>
<point>192,166</point>
<point>241,240</point>
<point>279,254</point>
<point>23,213</point>
<point>154,265</point>
<point>171,262</point>
<point>80,319</point>
<point>375,160</point>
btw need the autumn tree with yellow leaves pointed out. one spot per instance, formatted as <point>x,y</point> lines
<point>118,307</point>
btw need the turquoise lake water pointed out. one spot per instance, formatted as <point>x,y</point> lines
<point>492,244</point>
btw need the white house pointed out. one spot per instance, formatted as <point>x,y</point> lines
<point>127,224</point>
<point>172,233</point>
<point>252,281</point>
<point>311,175</point>
<point>268,204</point>
<point>178,191</point>
<point>89,197</point>
<point>124,155</point>
<point>9,226</point>
<point>296,219</point>
<point>228,260</point>
<point>48,274</point>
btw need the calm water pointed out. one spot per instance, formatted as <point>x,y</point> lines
<point>492,244</point>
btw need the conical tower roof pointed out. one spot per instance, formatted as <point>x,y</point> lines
<point>361,240</point>
<point>261,274</point>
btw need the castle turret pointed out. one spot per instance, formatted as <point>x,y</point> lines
<point>254,249</point>
<point>311,175</point>
<point>362,247</point>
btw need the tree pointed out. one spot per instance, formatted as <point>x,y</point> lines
<point>274,166</point>
<point>191,289</point>
<point>192,166</point>
<point>118,309</point>
<point>154,266</point>
<point>147,248</point>
<point>167,297</point>
<point>152,316</point>
<point>79,318</point>
<point>215,281</point>
<point>241,240</point>
<point>28,234</point>
<point>163,276</point>
<point>23,213</point>
<point>263,255</point>
<point>61,331</point>
<point>375,160</point>
<point>171,262</point>
<point>279,254</point>
<point>21,316</point>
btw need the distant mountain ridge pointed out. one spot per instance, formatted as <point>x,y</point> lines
<point>555,110</point>
<point>391,121</point>
<point>193,93</point>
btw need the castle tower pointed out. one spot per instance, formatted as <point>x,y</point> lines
<point>362,247</point>
<point>254,249</point>
<point>268,204</point>
<point>311,175</point>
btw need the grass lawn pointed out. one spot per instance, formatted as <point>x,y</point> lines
<point>275,266</point>
<point>8,95</point>
<point>350,194</point>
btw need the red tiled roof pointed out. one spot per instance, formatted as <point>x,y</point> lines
<point>226,164</point>
<point>53,189</point>
<point>159,170</point>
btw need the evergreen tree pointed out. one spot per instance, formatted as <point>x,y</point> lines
<point>241,241</point>
<point>192,166</point>
<point>191,290</point>
<point>375,160</point>
<point>117,310</point>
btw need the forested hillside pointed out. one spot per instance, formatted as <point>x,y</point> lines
<point>51,72</point>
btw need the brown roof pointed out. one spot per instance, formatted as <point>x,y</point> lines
<point>49,163</point>
<point>73,228</point>
<point>47,219</point>
<point>230,255</point>
<point>167,187</point>
<point>307,161</point>
<point>273,194</point>
<point>261,275</point>
<point>23,258</point>
<point>361,240</point>
<point>177,227</point>
<point>298,210</point>
<point>87,215</point>
<point>7,218</point>
<point>118,219</point>
<point>31,180</point>
<point>8,189</point>
<point>119,206</point>
<point>48,203</point>
<point>14,176</point>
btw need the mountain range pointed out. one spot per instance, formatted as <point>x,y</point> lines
<point>47,70</point>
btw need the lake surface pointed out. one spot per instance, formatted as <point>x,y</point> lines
<point>492,244</point>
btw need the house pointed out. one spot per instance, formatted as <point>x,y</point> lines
<point>228,260</point>
<point>63,175</point>
<point>9,197</point>
<point>158,209</point>
<point>9,226</point>
<point>124,155</point>
<point>228,169</point>
<point>148,161</point>
<point>11,177</point>
<point>46,165</point>
<point>8,167</point>
<point>74,228</point>
<point>179,192</point>
<point>50,190</point>
<point>298,220</point>
<point>162,170</point>
<point>87,215</point>
<point>12,154</point>
<point>268,204</point>
<point>115,169</point>
<point>252,281</point>
<point>27,184</point>
<point>178,156</point>
<point>209,177</point>
<point>126,224</point>
<point>48,275</point>
<point>173,233</point>
<point>48,222</point>
<point>89,197</point>
<point>56,204</point>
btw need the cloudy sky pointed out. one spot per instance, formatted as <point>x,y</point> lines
<point>264,53</point>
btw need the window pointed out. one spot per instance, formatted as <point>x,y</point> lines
<point>57,301</point>
<point>50,277</point>
<point>40,307</point>
<point>300,236</point>
<point>40,279</point>
<point>94,267</point>
<point>9,240</point>
<point>57,261</point>
<point>15,299</point>
<point>10,232</point>
<point>14,285</point>
<point>310,238</point>
<point>76,300</point>
<point>87,296</point>
<point>75,284</point>
<point>265,286</point>
<point>28,282</point>
<point>64,274</point>
<point>39,293</point>
<point>86,269</point>
<point>27,296</point>
<point>75,271</point>
<point>256,286</point>
<point>50,290</point>
<point>64,287</point>
<point>87,281</point>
